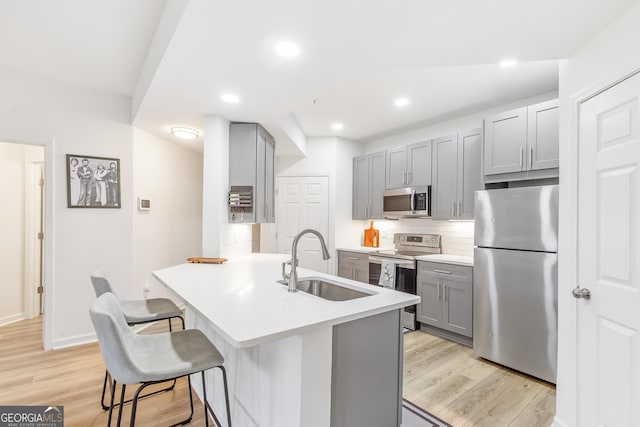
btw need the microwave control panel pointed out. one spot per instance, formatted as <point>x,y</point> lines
<point>421,202</point>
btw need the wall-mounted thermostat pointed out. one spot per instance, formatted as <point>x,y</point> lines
<point>144,204</point>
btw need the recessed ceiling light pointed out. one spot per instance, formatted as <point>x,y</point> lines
<point>231,98</point>
<point>401,102</point>
<point>184,133</point>
<point>508,63</point>
<point>287,49</point>
<point>337,126</point>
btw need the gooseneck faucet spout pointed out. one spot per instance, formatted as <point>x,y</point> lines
<point>293,275</point>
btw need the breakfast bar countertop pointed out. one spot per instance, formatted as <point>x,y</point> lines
<point>245,304</point>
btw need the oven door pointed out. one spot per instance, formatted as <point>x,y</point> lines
<point>405,282</point>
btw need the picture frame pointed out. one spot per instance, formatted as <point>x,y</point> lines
<point>93,182</point>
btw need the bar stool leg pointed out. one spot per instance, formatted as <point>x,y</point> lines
<point>226,394</point>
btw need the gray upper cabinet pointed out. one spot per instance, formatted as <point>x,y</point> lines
<point>469,172</point>
<point>409,165</point>
<point>251,164</point>
<point>505,139</point>
<point>368,185</point>
<point>521,140</point>
<point>457,174</point>
<point>543,135</point>
<point>444,184</point>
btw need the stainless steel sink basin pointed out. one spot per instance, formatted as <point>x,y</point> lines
<point>325,289</point>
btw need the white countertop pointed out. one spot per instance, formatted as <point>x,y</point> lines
<point>448,259</point>
<point>244,303</point>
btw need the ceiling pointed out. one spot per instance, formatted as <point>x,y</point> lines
<point>176,58</point>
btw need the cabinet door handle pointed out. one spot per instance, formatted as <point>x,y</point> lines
<point>453,209</point>
<point>438,291</point>
<point>441,271</point>
<point>459,208</point>
<point>353,258</point>
<point>531,156</point>
<point>404,177</point>
<point>521,152</point>
<point>444,293</point>
<point>408,177</point>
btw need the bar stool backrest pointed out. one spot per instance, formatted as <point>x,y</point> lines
<point>115,338</point>
<point>100,283</point>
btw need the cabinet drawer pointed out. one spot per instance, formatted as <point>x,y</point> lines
<point>442,270</point>
<point>357,258</point>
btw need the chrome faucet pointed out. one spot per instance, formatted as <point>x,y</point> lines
<point>292,277</point>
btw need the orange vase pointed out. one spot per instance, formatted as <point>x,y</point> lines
<point>371,236</point>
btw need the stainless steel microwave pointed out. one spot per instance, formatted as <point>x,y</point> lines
<point>412,202</point>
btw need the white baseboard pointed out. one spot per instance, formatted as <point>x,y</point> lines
<point>74,341</point>
<point>557,422</point>
<point>11,319</point>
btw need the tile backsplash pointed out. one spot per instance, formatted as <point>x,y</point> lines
<point>457,236</point>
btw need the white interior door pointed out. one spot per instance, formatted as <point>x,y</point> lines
<point>609,257</point>
<point>303,202</point>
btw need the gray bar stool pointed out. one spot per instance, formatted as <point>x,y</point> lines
<point>137,312</point>
<point>131,358</point>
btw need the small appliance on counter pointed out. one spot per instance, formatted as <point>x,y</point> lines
<point>396,269</point>
<point>371,236</point>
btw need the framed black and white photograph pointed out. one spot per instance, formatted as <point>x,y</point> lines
<point>93,182</point>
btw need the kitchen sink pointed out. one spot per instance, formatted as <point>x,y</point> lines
<point>326,289</point>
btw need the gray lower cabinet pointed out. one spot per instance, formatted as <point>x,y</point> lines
<point>522,140</point>
<point>409,165</point>
<point>457,174</point>
<point>447,298</point>
<point>353,265</point>
<point>366,372</point>
<point>368,185</point>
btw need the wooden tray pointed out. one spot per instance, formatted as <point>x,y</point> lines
<point>200,260</point>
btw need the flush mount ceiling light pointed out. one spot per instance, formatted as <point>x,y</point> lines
<point>287,49</point>
<point>231,98</point>
<point>508,63</point>
<point>184,133</point>
<point>401,102</point>
<point>337,126</point>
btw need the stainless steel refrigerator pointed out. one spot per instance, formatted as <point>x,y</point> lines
<point>515,282</point>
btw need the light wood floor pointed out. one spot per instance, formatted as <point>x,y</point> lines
<point>73,378</point>
<point>440,376</point>
<point>445,379</point>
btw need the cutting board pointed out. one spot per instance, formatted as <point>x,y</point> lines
<point>200,260</point>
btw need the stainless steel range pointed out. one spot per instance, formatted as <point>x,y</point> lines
<point>396,268</point>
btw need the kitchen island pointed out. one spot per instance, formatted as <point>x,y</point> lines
<point>295,359</point>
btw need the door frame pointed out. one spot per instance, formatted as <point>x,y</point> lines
<point>568,383</point>
<point>330,239</point>
<point>32,216</point>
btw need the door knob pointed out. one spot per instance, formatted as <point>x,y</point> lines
<point>583,293</point>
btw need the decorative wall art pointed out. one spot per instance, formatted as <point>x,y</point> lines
<point>93,182</point>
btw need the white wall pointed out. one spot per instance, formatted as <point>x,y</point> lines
<point>171,177</point>
<point>12,232</point>
<point>609,55</point>
<point>72,120</point>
